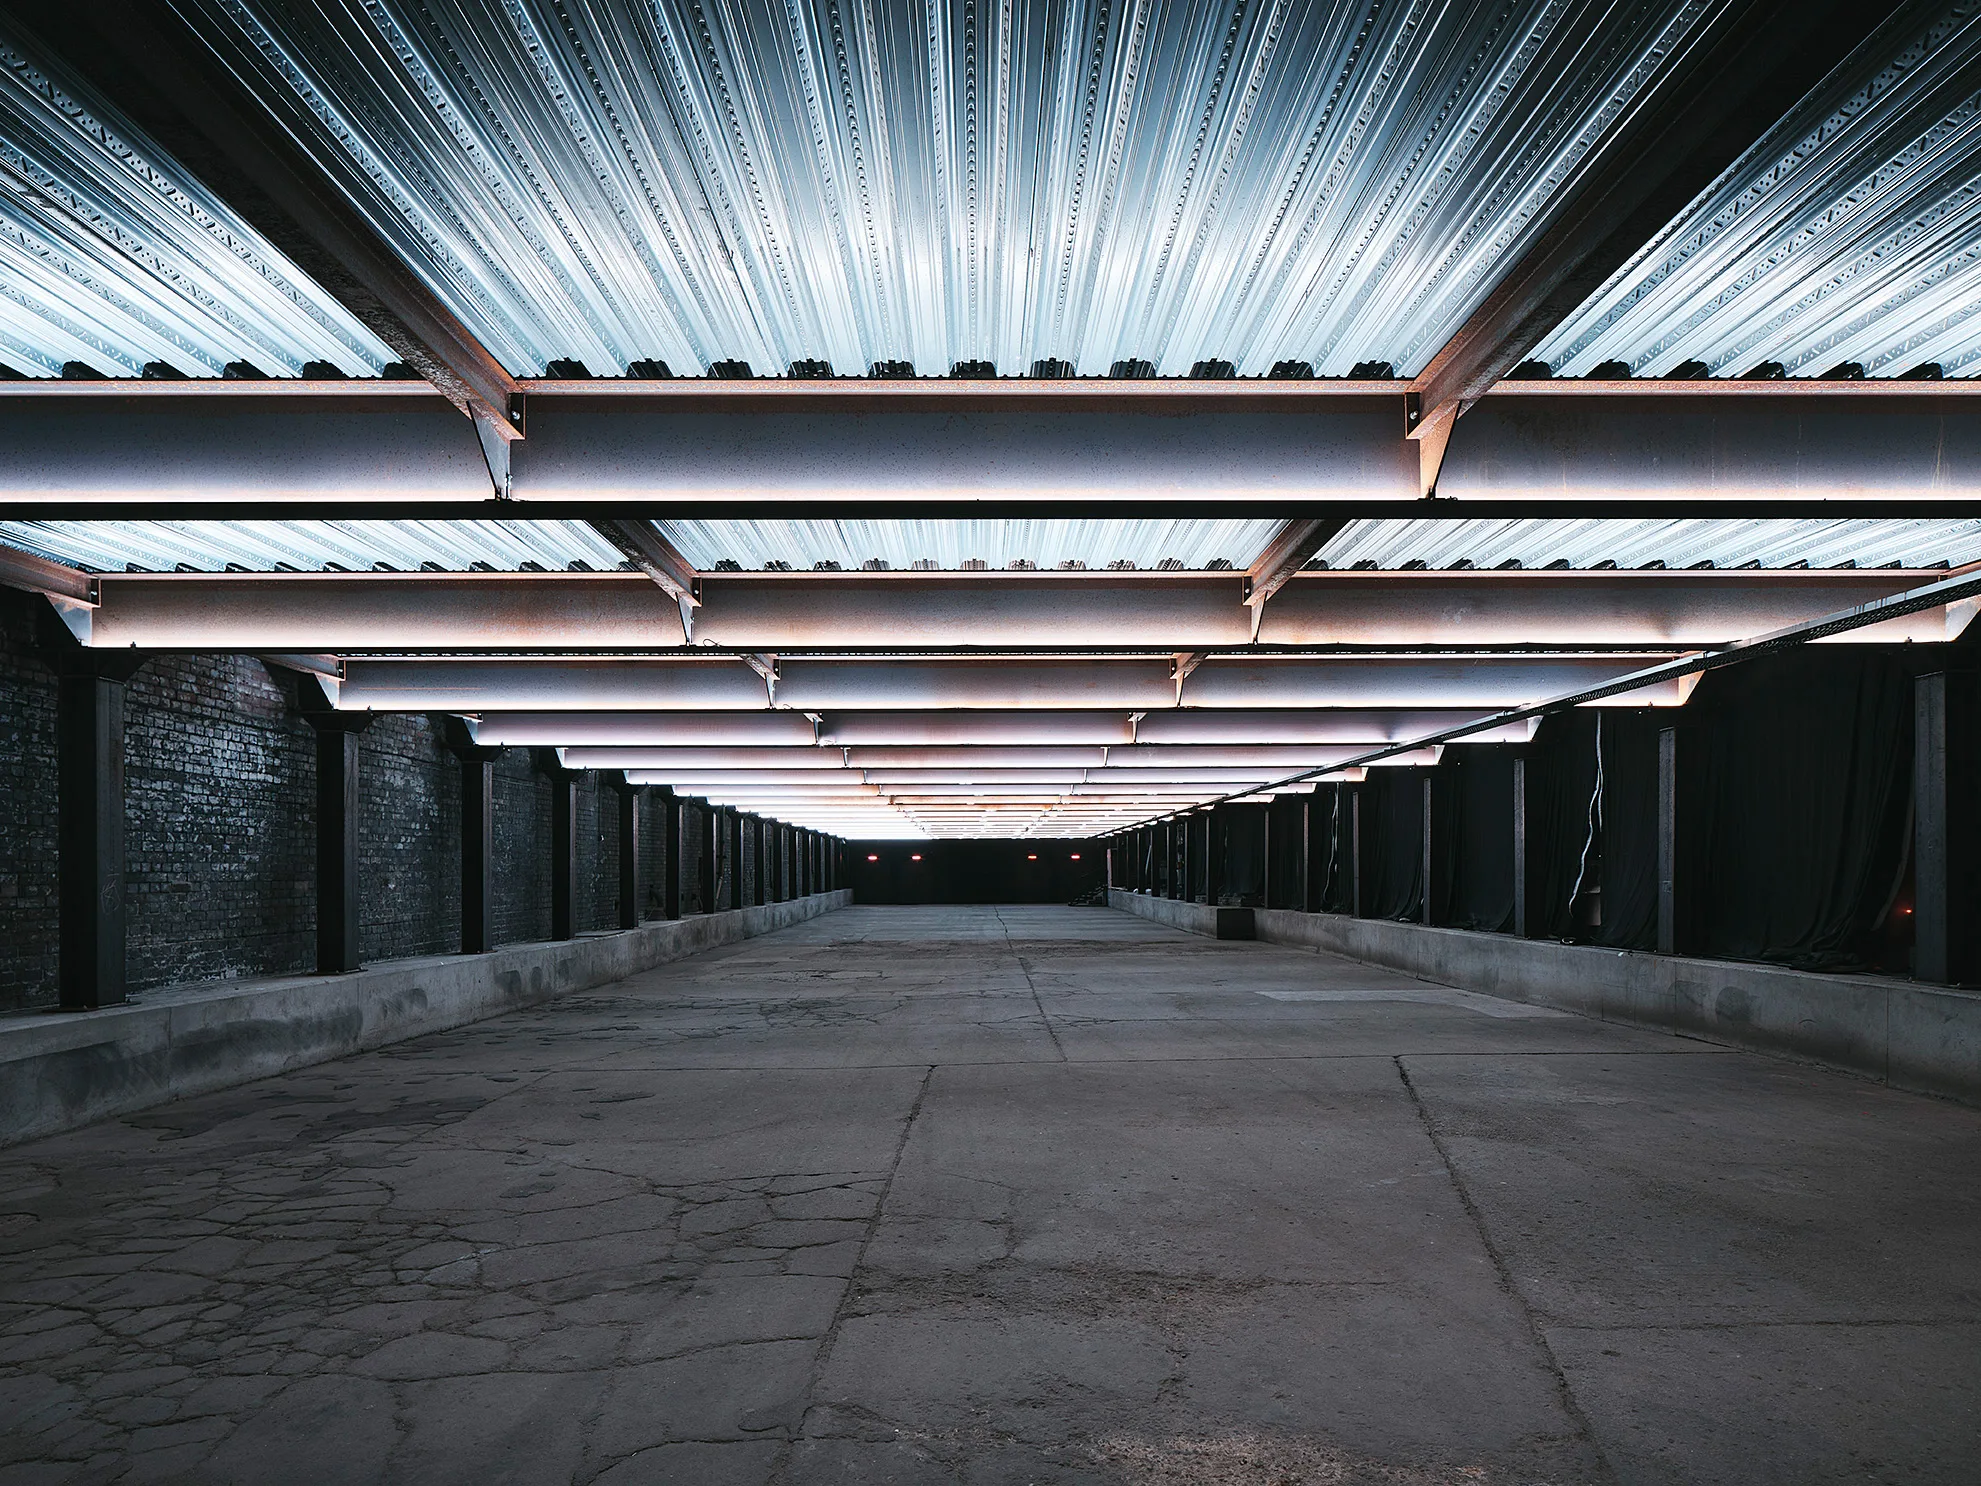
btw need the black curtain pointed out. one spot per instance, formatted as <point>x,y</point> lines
<point>1392,843</point>
<point>1561,783</point>
<point>1244,851</point>
<point>1629,741</point>
<point>1805,804</point>
<point>1476,862</point>
<point>1331,848</point>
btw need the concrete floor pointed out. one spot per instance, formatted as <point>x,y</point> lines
<point>1017,1195</point>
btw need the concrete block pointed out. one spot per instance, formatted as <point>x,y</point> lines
<point>1232,923</point>
<point>59,1070</point>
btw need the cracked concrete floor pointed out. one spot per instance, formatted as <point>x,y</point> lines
<point>1020,1195</point>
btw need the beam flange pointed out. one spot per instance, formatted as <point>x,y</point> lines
<point>1723,92</point>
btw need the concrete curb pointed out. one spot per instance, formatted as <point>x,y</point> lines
<point>61,1070</point>
<point>1911,1036</point>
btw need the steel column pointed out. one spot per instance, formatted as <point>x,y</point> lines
<point>1214,848</point>
<point>477,840</point>
<point>671,843</point>
<point>563,854</point>
<point>337,811</point>
<point>1525,901</point>
<point>1947,844</point>
<point>630,800</point>
<point>1357,863</point>
<point>705,863</point>
<point>1678,851</point>
<point>90,862</point>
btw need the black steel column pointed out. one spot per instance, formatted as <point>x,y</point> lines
<point>90,866</point>
<point>670,840</point>
<point>1266,854</point>
<point>1357,863</point>
<point>1946,814</point>
<point>764,830</point>
<point>1678,851</point>
<point>705,864</point>
<point>629,854</point>
<point>563,854</point>
<point>1213,857</point>
<point>477,843</point>
<point>337,838</point>
<point>1523,882</point>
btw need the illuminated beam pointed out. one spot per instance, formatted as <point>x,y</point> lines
<point>1720,93</point>
<point>473,685</point>
<point>1001,691</point>
<point>781,730</point>
<point>387,612</point>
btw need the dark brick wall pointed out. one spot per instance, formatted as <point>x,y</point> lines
<point>220,827</point>
<point>522,850</point>
<point>27,809</point>
<point>219,777</point>
<point>409,840</point>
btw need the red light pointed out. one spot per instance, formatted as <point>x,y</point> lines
<point>873,859</point>
<point>916,857</point>
<point>1076,856</point>
<point>1032,857</point>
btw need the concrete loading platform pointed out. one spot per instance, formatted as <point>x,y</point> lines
<point>1005,1195</point>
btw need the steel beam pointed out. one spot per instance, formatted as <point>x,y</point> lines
<point>1003,690</point>
<point>1721,91</point>
<point>1148,612</point>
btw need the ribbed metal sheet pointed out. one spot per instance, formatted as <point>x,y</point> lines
<point>311,546</point>
<point>1850,232</point>
<point>113,256</point>
<point>935,182</point>
<point>1588,542</point>
<point>948,545</point>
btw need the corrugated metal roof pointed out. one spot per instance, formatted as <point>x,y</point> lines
<point>113,256</point>
<point>310,546</point>
<point>1596,541</point>
<point>1850,232</point>
<point>947,545</point>
<point>1010,183</point>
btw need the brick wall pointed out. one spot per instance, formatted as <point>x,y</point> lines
<point>409,840</point>
<point>219,780</point>
<point>220,783</point>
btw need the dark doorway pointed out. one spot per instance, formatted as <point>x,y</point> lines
<point>975,871</point>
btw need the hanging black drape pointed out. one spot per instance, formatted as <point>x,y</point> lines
<point>1805,812</point>
<point>1475,862</point>
<point>1244,842</point>
<point>1392,844</point>
<point>1561,781</point>
<point>1630,828</point>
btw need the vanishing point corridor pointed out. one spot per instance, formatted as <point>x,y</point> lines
<point>1005,1195</point>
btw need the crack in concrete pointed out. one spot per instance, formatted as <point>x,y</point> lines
<point>1503,1273</point>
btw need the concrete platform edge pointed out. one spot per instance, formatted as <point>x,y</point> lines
<point>1908,1035</point>
<point>61,1070</point>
